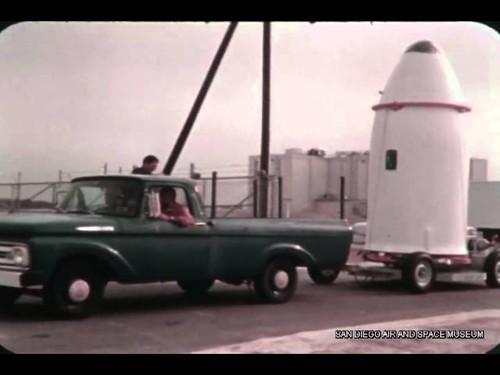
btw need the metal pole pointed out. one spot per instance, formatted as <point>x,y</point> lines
<point>280,196</point>
<point>342,196</point>
<point>191,170</point>
<point>204,196</point>
<point>56,186</point>
<point>266,90</point>
<point>214,195</point>
<point>105,168</point>
<point>255,197</point>
<point>19,178</point>
<point>188,125</point>
<point>16,192</point>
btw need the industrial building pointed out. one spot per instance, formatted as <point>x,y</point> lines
<point>311,181</point>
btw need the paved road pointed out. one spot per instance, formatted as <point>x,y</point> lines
<point>159,318</point>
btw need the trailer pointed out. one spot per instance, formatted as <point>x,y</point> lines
<point>419,271</point>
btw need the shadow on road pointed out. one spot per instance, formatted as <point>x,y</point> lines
<point>396,287</point>
<point>32,309</point>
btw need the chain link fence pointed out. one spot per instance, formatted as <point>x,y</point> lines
<point>223,196</point>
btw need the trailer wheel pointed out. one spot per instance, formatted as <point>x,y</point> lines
<point>323,277</point>
<point>278,282</point>
<point>492,268</point>
<point>418,273</point>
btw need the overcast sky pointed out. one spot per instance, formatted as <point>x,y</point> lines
<point>76,95</point>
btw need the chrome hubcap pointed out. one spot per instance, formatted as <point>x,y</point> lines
<point>281,279</point>
<point>423,274</point>
<point>79,291</point>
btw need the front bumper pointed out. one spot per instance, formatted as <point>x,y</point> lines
<point>11,278</point>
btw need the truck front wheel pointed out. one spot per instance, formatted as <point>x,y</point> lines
<point>75,291</point>
<point>492,268</point>
<point>8,296</point>
<point>278,282</point>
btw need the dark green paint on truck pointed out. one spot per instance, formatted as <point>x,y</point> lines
<point>84,250</point>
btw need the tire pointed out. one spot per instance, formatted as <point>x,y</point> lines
<point>492,269</point>
<point>75,290</point>
<point>278,282</point>
<point>323,277</point>
<point>418,273</point>
<point>195,287</point>
<point>8,296</point>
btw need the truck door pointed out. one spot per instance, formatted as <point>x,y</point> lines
<point>179,252</point>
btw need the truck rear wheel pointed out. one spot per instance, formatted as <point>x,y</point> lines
<point>195,287</point>
<point>8,296</point>
<point>75,291</point>
<point>418,273</point>
<point>278,282</point>
<point>492,268</point>
<point>323,277</point>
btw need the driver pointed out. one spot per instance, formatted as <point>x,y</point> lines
<point>115,201</point>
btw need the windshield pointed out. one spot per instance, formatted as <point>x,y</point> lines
<point>103,197</point>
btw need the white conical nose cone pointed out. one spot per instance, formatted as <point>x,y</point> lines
<point>418,169</point>
<point>423,74</point>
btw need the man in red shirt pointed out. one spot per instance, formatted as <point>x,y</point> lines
<point>173,211</point>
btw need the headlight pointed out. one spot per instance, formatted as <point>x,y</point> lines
<point>19,256</point>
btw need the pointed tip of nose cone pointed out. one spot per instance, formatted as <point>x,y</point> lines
<point>423,46</point>
<point>423,75</point>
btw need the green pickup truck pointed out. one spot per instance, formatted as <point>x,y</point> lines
<point>106,228</point>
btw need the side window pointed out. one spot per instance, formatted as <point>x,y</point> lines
<point>391,160</point>
<point>181,196</point>
<point>94,196</point>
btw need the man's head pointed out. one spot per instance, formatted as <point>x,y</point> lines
<point>167,196</point>
<point>149,163</point>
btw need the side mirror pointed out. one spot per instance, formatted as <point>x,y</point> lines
<point>154,206</point>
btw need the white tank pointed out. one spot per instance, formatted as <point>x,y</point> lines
<point>418,170</point>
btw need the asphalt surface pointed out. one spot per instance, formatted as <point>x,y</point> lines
<point>159,318</point>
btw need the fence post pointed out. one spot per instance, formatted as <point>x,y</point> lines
<point>342,197</point>
<point>55,186</point>
<point>255,197</point>
<point>280,196</point>
<point>214,195</point>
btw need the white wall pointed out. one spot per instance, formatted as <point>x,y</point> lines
<point>300,183</point>
<point>478,170</point>
<point>318,178</point>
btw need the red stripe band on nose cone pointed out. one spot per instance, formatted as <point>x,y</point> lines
<point>396,106</point>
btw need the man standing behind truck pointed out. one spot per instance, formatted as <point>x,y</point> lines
<point>149,164</point>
